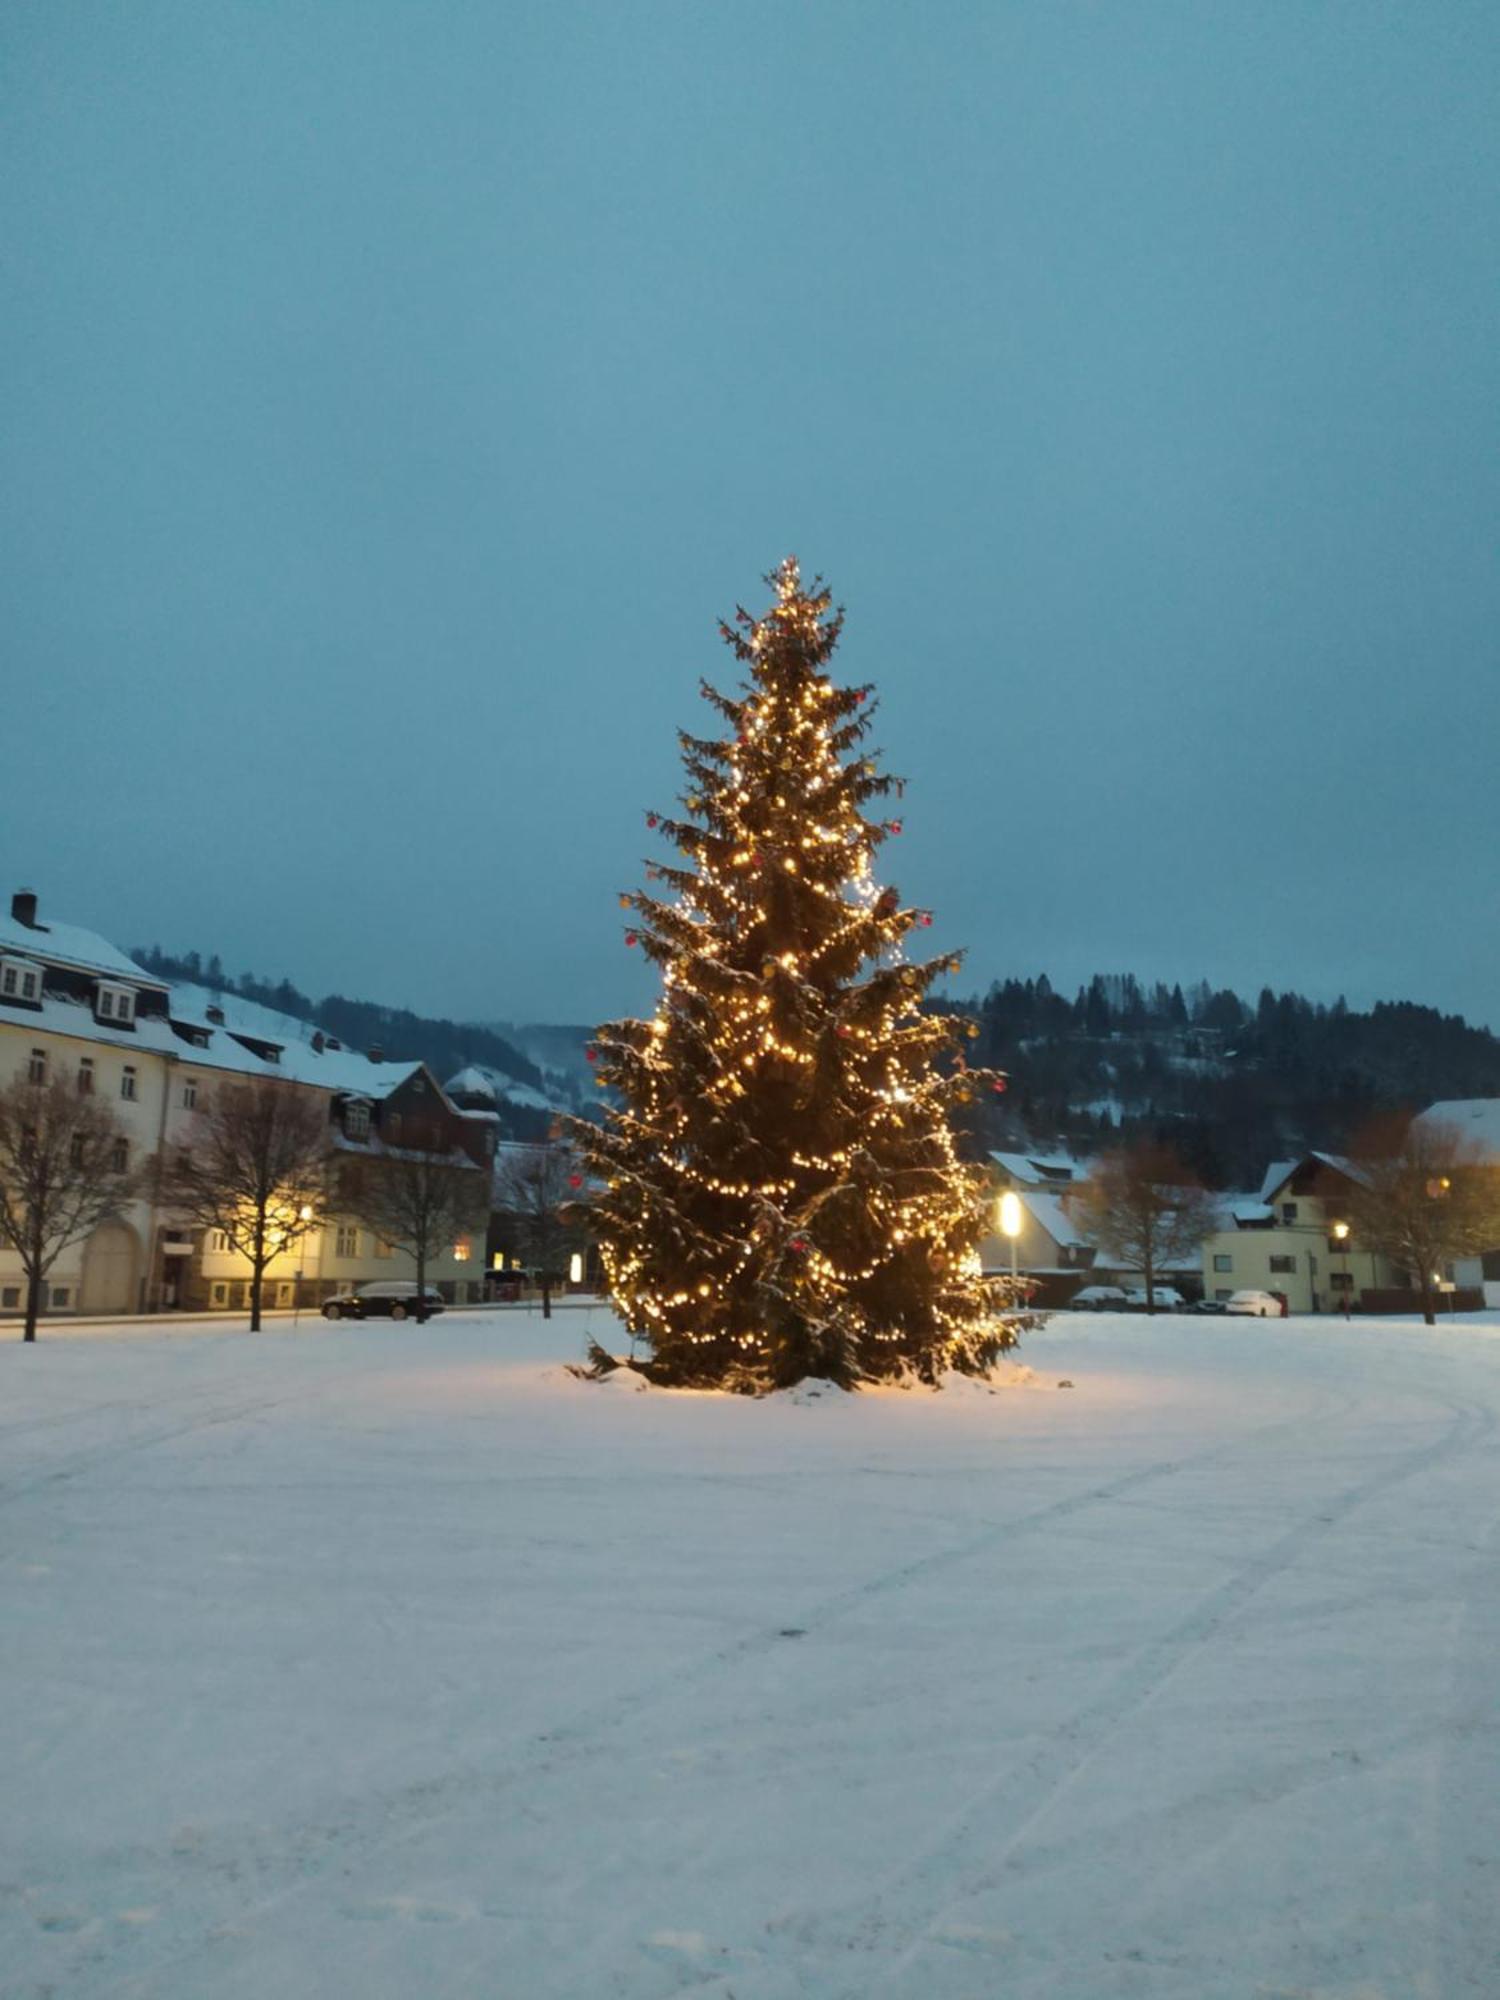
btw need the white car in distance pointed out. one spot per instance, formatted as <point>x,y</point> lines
<point>1256,1305</point>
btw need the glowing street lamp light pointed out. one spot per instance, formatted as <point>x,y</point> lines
<point>1341,1237</point>
<point>1010,1225</point>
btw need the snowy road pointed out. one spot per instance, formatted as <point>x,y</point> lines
<point>392,1663</point>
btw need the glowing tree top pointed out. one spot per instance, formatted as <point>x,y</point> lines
<point>780,1193</point>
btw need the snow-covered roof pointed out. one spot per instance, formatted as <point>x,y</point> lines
<point>471,1082</point>
<point>1281,1171</point>
<point>479,1080</point>
<point>1048,1211</point>
<point>297,1057</point>
<point>215,1047</point>
<point>1477,1118</point>
<point>1277,1175</point>
<point>1247,1208</point>
<point>67,944</point>
<point>1040,1167</point>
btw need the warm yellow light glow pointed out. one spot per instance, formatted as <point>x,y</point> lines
<point>575,1269</point>
<point>1341,1230</point>
<point>1010,1214</point>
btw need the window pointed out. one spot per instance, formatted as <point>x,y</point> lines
<point>346,1240</point>
<point>61,1294</point>
<point>357,1119</point>
<point>75,1150</point>
<point>189,1095</point>
<point>1284,1264</point>
<point>218,1295</point>
<point>10,1298</point>
<point>1289,1211</point>
<point>461,1250</point>
<point>218,1241</point>
<point>127,1082</point>
<point>85,1076</point>
<point>36,1069</point>
<point>383,1249</point>
<point>1222,1263</point>
<point>115,1003</point>
<point>1340,1281</point>
<point>119,1155</point>
<point>20,980</point>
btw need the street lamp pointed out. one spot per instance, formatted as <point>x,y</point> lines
<point>304,1216</point>
<point>1341,1237</point>
<point>1010,1225</point>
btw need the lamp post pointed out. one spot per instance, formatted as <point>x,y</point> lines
<point>304,1216</point>
<point>1010,1225</point>
<point>1341,1237</point>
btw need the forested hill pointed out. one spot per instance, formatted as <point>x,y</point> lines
<point>1232,1083</point>
<point>445,1046</point>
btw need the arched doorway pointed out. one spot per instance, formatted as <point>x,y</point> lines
<point>110,1267</point>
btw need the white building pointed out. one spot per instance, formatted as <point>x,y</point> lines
<point>73,1005</point>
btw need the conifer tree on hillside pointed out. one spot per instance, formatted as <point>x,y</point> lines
<point>780,1195</point>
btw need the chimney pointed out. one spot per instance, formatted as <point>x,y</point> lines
<point>377,1053</point>
<point>23,908</point>
<point>317,1041</point>
<point>214,1014</point>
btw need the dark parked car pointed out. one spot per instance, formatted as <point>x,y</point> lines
<point>1208,1306</point>
<point>386,1298</point>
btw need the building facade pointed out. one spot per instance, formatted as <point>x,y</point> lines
<point>73,1006</point>
<point>1285,1241</point>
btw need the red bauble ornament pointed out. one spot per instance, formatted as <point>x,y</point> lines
<point>843,1029</point>
<point>798,1244</point>
<point>591,1055</point>
<point>1000,1086</point>
<point>630,937</point>
<point>575,1180</point>
<point>652,820</point>
<point>926,920</point>
<point>895,826</point>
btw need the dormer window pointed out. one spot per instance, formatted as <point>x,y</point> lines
<point>116,1004</point>
<point>20,979</point>
<point>357,1118</point>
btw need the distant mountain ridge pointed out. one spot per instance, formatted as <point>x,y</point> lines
<point>1229,1083</point>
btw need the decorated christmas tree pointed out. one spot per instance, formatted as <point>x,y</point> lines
<point>779,1191</point>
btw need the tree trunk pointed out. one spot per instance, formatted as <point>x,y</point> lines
<point>257,1273</point>
<point>1150,1262</point>
<point>1427,1312</point>
<point>421,1305</point>
<point>33,1303</point>
<point>546,1295</point>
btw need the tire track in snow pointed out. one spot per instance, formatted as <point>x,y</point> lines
<point>997,1816</point>
<point>352,1833</point>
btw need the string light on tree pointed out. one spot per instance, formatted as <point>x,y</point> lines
<point>779,1194</point>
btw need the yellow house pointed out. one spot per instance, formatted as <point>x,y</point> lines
<point>1286,1240</point>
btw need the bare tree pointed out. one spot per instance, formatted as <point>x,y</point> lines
<point>257,1169</point>
<point>63,1170</point>
<point>1140,1205</point>
<point>537,1192</point>
<point>418,1198</point>
<point>1434,1198</point>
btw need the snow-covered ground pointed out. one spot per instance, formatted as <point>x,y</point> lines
<point>380,1663</point>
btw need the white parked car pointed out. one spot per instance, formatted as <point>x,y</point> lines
<point>1258,1305</point>
<point>1098,1299</point>
<point>1168,1299</point>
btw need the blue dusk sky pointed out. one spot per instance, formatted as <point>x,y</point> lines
<point>394,396</point>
